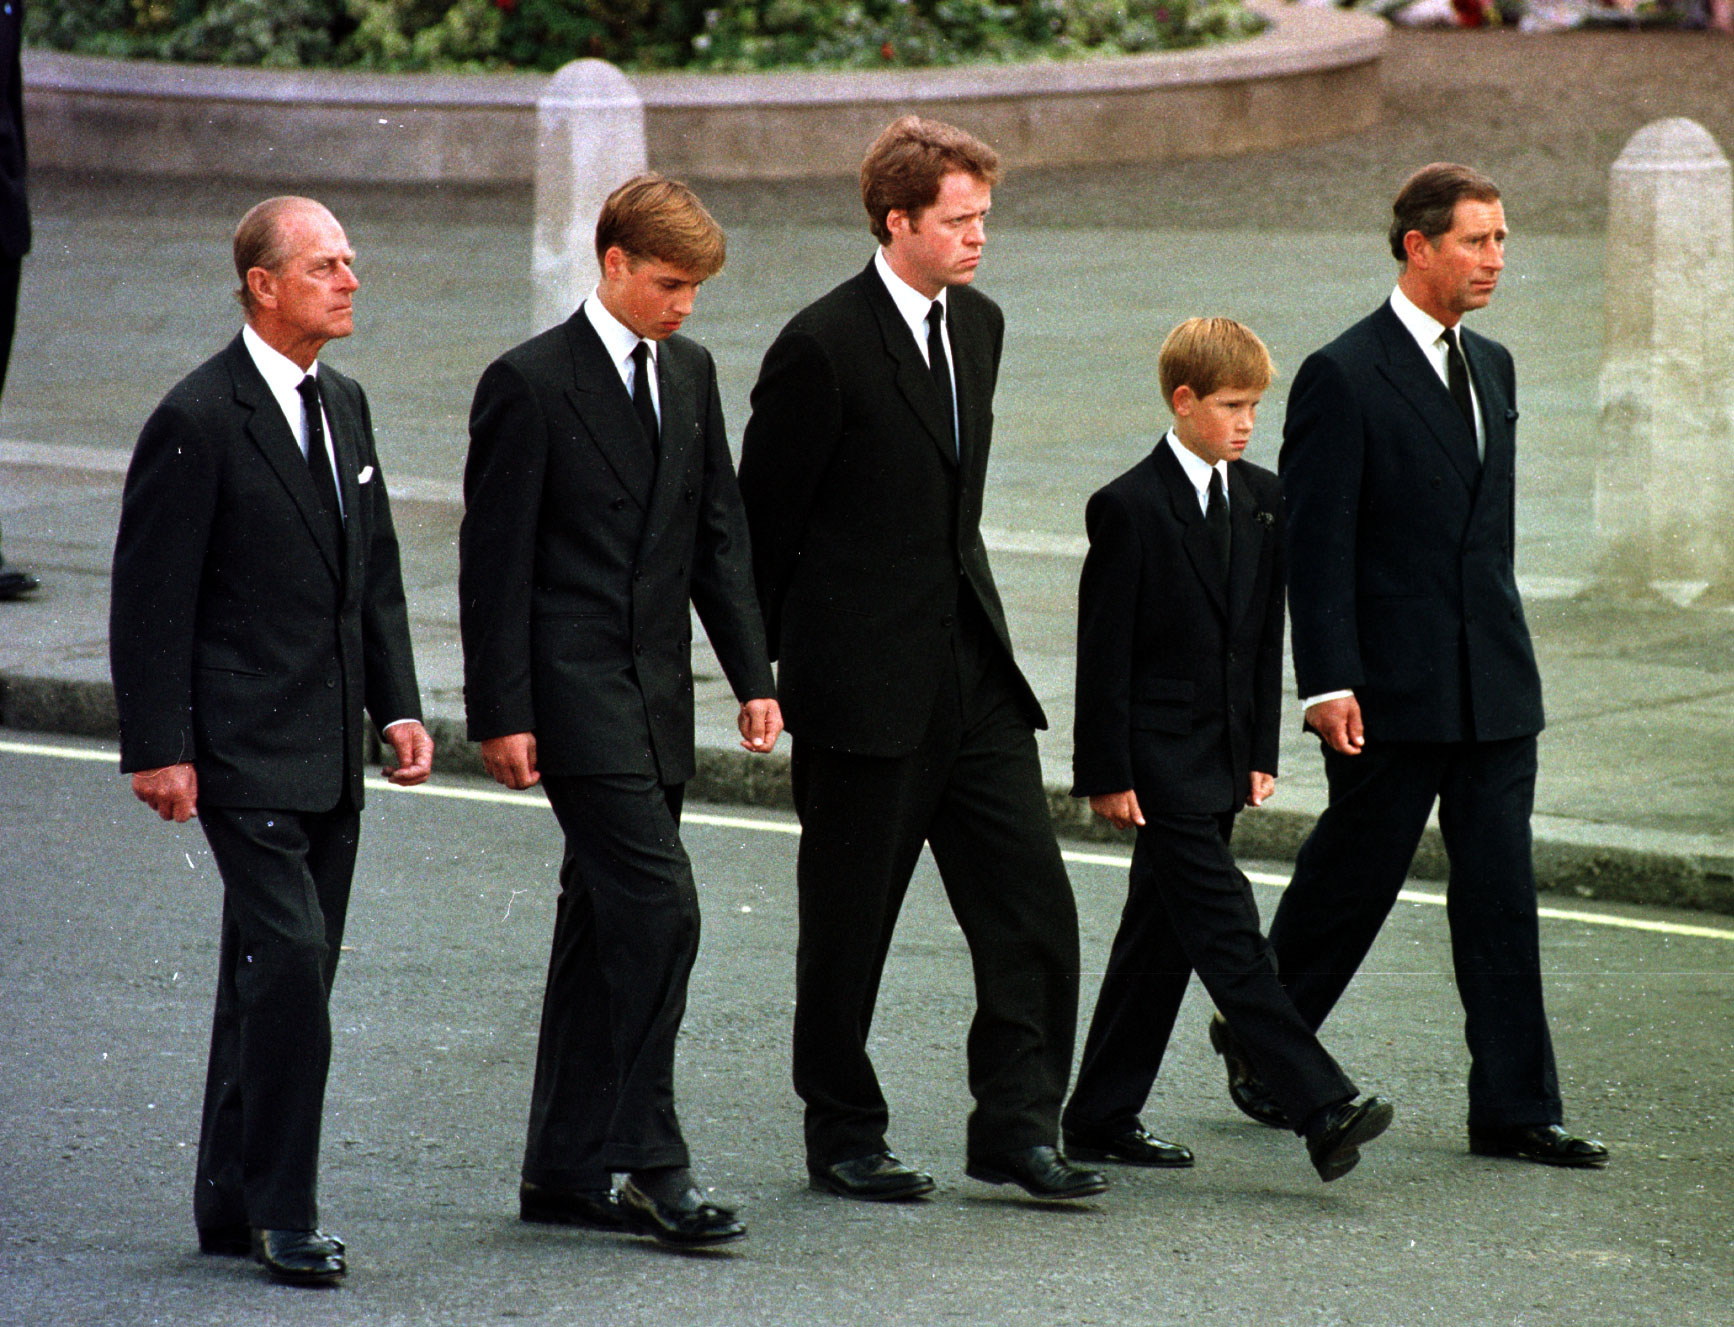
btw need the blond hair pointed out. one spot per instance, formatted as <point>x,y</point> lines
<point>1210,354</point>
<point>651,216</point>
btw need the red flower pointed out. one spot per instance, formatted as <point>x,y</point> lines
<point>886,53</point>
<point>507,5</point>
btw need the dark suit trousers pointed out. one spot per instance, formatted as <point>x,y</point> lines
<point>1189,908</point>
<point>1351,867</point>
<point>973,791</point>
<point>625,936</point>
<point>286,879</point>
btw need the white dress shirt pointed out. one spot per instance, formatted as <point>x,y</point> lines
<point>1198,471</point>
<point>283,376</point>
<point>913,306</point>
<point>620,341</point>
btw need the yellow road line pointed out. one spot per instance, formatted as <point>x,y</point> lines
<point>507,797</point>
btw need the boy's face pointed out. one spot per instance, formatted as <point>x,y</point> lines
<point>1216,427</point>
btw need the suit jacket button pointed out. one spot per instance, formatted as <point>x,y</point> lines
<point>947,620</point>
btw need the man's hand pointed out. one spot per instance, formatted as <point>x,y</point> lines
<point>760,722</point>
<point>414,750</point>
<point>1118,809</point>
<point>1263,785</point>
<point>172,791</point>
<point>512,759</point>
<point>1339,723</point>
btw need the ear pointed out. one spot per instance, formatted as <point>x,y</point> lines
<point>262,286</point>
<point>1184,401</point>
<point>1417,248</point>
<point>897,222</point>
<point>616,262</point>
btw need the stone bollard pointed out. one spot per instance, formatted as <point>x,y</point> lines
<point>1665,459</point>
<point>589,141</point>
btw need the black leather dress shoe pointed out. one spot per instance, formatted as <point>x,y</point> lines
<point>16,584</point>
<point>1244,1088</point>
<point>300,1257</point>
<point>591,1209</point>
<point>1549,1144</point>
<point>1335,1146</point>
<point>226,1241</point>
<point>686,1221</point>
<point>1135,1146</point>
<point>877,1178</point>
<point>1040,1172</point>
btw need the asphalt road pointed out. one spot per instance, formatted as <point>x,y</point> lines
<point>107,955</point>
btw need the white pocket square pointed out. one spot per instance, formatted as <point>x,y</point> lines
<point>365,475</point>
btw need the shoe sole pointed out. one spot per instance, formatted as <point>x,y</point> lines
<point>1514,1154</point>
<point>1079,1152</point>
<point>919,1188</point>
<point>290,1277</point>
<point>647,1227</point>
<point>987,1175</point>
<point>1348,1153</point>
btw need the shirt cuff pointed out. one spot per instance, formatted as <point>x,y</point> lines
<point>1307,702</point>
<point>394,723</point>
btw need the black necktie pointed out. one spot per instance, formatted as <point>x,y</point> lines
<point>318,462</point>
<point>1457,377</point>
<point>641,401</point>
<point>940,367</point>
<point>1216,517</point>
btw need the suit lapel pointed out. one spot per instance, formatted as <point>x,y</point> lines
<point>972,368</point>
<point>914,381</point>
<point>1247,546</point>
<point>1414,379</point>
<point>1194,533</point>
<point>346,432</point>
<point>1498,423</point>
<point>604,409</point>
<point>269,432</point>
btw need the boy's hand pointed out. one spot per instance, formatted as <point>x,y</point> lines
<point>1263,785</point>
<point>1118,809</point>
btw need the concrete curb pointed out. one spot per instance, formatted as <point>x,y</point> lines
<point>1571,866</point>
<point>1313,75</point>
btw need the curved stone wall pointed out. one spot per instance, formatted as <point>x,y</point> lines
<point>1313,75</point>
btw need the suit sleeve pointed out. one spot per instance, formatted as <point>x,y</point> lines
<point>497,551</point>
<point>1108,592</point>
<point>1323,442</point>
<point>797,420</point>
<point>722,575</point>
<point>388,659</point>
<point>167,510</point>
<point>1267,671</point>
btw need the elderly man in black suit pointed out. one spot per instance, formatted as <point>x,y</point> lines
<point>601,504</point>
<point>257,610</point>
<point>862,468</point>
<point>1413,660</point>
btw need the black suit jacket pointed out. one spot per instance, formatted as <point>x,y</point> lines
<point>1401,581</point>
<point>580,554</point>
<point>244,636</point>
<point>1179,678</point>
<point>865,522</point>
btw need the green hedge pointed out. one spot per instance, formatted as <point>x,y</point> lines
<point>639,34</point>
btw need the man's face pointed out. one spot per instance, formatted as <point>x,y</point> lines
<point>309,300</point>
<point>1216,427</point>
<point>940,245</point>
<point>648,296</point>
<point>1460,270</point>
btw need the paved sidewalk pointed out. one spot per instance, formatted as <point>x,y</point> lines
<point>128,289</point>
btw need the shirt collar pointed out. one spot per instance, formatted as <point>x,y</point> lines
<point>282,374</point>
<point>1196,467</point>
<point>1424,327</point>
<point>617,338</point>
<point>910,302</point>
